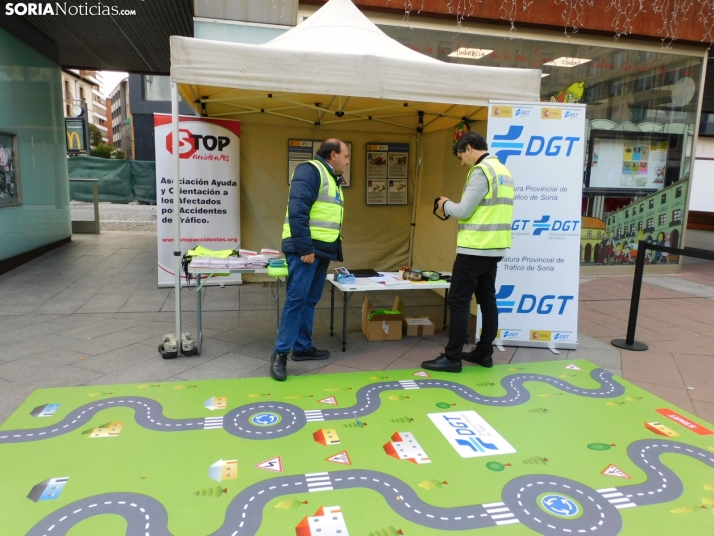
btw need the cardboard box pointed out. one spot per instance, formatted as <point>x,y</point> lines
<point>420,326</point>
<point>382,327</point>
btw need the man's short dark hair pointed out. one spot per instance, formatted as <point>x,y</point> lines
<point>473,139</point>
<point>327,146</point>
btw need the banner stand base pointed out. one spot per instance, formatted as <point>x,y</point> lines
<point>635,346</point>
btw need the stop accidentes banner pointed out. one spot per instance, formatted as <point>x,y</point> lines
<point>209,150</point>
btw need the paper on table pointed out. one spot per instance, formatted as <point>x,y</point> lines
<point>389,280</point>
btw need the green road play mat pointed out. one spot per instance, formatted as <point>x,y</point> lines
<point>556,448</point>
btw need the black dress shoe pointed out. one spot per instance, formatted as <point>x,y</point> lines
<point>278,363</point>
<point>312,354</point>
<point>442,364</point>
<point>474,356</point>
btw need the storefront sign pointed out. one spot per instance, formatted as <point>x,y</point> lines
<point>537,287</point>
<point>210,193</point>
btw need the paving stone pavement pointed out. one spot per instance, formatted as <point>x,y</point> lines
<point>117,217</point>
<point>90,313</point>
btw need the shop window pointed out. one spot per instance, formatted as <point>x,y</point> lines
<point>676,215</point>
<point>9,176</point>
<point>627,214</point>
<point>632,228</point>
<point>642,208</point>
<point>590,235</point>
<point>650,224</point>
<point>640,226</point>
<point>651,205</point>
<point>662,219</point>
<point>678,192</point>
<point>664,199</point>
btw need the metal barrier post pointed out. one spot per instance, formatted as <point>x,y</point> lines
<point>630,343</point>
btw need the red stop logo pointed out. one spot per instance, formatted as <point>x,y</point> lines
<point>187,143</point>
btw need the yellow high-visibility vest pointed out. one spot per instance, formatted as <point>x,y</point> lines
<point>326,213</point>
<point>489,227</point>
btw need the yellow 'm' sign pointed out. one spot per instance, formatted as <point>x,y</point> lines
<point>74,143</point>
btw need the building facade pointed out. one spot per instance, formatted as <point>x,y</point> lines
<point>149,95</point>
<point>122,131</point>
<point>85,88</point>
<point>643,98</point>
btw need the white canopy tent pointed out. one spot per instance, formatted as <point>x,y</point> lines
<point>335,68</point>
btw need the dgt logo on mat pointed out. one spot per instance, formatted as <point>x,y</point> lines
<point>510,145</point>
<point>470,435</point>
<point>189,143</point>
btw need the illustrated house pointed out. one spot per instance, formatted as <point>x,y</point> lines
<point>327,521</point>
<point>111,429</point>
<point>223,470</point>
<point>660,429</point>
<point>48,490</point>
<point>327,437</point>
<point>45,410</point>
<point>217,402</point>
<point>403,446</point>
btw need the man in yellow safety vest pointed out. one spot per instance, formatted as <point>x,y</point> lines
<point>311,239</point>
<point>485,213</point>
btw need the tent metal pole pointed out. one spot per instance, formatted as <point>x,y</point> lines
<point>177,208</point>
<point>416,188</point>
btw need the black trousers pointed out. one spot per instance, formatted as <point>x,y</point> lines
<point>472,274</point>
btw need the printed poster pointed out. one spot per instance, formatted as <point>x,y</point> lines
<point>537,285</point>
<point>209,208</point>
<point>387,173</point>
<point>300,151</point>
<point>376,191</point>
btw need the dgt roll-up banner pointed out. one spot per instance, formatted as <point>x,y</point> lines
<point>542,145</point>
<point>210,194</point>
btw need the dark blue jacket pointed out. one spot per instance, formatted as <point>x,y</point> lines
<point>304,190</point>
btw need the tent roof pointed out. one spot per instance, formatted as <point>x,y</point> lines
<point>338,62</point>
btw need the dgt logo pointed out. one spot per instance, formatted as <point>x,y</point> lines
<point>510,146</point>
<point>189,143</point>
<point>529,302</point>
<point>544,224</point>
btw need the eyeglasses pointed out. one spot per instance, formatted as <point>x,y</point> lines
<point>431,276</point>
<point>412,275</point>
<point>436,207</point>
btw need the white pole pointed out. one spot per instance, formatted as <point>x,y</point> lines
<point>177,208</point>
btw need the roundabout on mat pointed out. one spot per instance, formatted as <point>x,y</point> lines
<point>265,418</point>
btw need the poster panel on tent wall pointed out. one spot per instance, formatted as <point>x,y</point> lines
<point>387,173</point>
<point>300,151</point>
<point>543,146</point>
<point>210,189</point>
